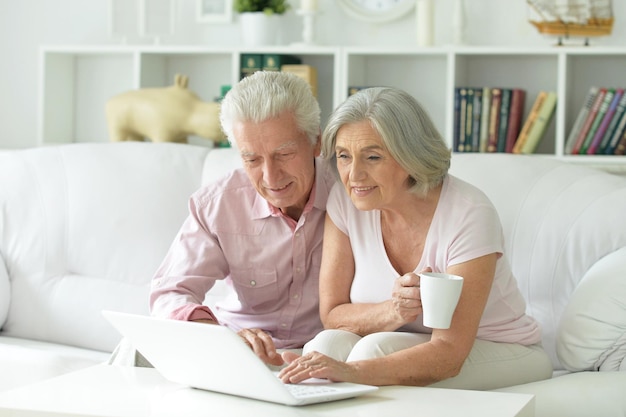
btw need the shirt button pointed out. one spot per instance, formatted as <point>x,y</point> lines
<point>253,283</point>
<point>283,325</point>
<point>296,296</point>
<point>297,234</point>
<point>298,269</point>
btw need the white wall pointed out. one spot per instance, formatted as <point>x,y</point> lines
<point>27,24</point>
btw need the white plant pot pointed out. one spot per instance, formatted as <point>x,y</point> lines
<point>259,29</point>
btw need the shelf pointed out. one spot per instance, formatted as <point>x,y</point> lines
<point>77,81</point>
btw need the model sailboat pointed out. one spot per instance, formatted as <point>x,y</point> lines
<point>572,18</point>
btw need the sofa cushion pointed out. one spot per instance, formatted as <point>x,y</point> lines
<point>218,163</point>
<point>84,229</point>
<point>592,332</point>
<point>558,219</point>
<point>5,292</point>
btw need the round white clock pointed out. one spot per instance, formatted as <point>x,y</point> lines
<point>378,11</point>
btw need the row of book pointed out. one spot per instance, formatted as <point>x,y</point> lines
<point>489,119</point>
<point>600,127</point>
<point>251,63</point>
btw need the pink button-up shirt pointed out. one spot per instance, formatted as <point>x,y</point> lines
<point>269,262</point>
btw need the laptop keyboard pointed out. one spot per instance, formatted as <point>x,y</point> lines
<point>304,390</point>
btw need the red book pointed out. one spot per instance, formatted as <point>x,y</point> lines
<point>503,128</point>
<point>516,112</point>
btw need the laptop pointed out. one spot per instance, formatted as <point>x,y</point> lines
<point>215,358</point>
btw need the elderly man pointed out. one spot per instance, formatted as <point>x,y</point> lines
<point>259,228</point>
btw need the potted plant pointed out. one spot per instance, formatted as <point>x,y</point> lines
<point>259,20</point>
<point>266,6</point>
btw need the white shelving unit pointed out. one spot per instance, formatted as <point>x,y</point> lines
<point>77,81</point>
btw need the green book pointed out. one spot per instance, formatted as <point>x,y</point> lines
<point>250,63</point>
<point>541,123</point>
<point>273,62</point>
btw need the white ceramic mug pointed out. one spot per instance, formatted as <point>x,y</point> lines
<point>440,295</point>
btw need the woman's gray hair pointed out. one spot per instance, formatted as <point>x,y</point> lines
<point>265,95</point>
<point>406,131</point>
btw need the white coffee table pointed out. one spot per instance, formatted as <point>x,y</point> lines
<point>114,391</point>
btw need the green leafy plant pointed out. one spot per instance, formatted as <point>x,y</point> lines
<point>265,6</point>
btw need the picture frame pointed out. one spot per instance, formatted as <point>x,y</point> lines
<point>214,11</point>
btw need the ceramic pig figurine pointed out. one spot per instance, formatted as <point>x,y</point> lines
<point>167,114</point>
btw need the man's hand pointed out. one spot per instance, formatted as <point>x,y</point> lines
<point>262,345</point>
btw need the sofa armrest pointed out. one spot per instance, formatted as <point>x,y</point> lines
<point>5,292</point>
<point>591,334</point>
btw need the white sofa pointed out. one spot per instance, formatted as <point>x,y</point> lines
<point>84,226</point>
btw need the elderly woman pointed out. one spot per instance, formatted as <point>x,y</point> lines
<point>398,213</point>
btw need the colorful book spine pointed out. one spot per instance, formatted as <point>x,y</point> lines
<point>516,112</point>
<point>541,123</point>
<point>484,119</point>
<point>469,119</point>
<point>250,63</point>
<point>620,129</point>
<point>494,120</point>
<point>597,121</point>
<point>620,149</point>
<point>457,118</point>
<point>606,120</point>
<point>530,121</point>
<point>462,114</point>
<point>503,126</point>
<point>580,119</point>
<point>274,62</point>
<point>615,120</point>
<point>593,112</point>
<point>476,113</point>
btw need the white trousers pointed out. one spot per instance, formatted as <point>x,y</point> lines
<point>490,365</point>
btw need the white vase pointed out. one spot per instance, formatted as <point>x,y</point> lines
<point>425,15</point>
<point>259,29</point>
